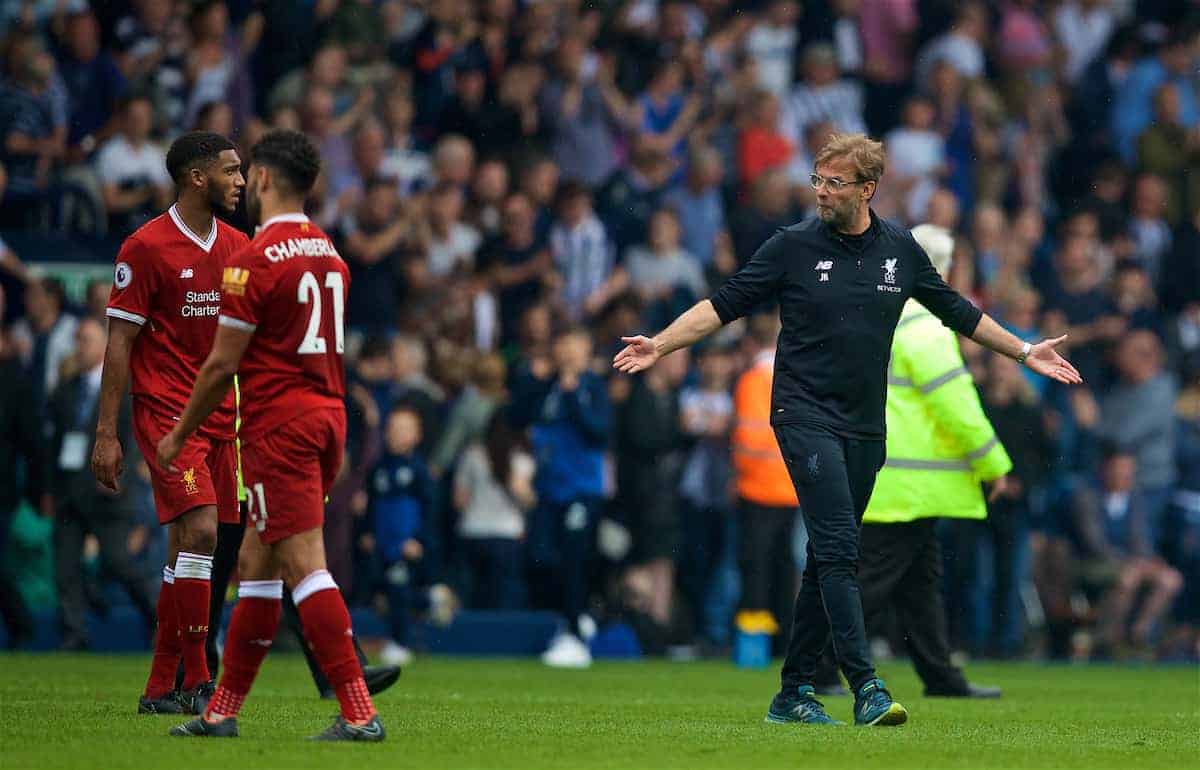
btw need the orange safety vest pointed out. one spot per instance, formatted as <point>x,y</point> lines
<point>762,476</point>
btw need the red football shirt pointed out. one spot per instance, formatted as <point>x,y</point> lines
<point>168,281</point>
<point>288,287</point>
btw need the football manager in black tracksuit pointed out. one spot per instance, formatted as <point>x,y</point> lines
<point>841,280</point>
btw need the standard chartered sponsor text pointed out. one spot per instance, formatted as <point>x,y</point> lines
<point>201,304</point>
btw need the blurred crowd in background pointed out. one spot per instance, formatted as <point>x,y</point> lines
<point>517,184</point>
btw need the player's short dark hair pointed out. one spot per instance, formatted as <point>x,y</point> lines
<point>195,149</point>
<point>291,155</point>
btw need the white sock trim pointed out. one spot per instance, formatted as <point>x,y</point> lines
<point>193,566</point>
<point>168,575</point>
<point>260,589</point>
<point>320,580</point>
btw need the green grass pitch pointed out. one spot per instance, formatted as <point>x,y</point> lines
<point>61,711</point>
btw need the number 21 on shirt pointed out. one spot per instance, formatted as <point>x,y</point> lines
<point>308,292</point>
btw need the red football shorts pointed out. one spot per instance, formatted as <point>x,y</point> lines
<point>289,470</point>
<point>208,470</point>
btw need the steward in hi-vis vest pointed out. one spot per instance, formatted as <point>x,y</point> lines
<point>940,446</point>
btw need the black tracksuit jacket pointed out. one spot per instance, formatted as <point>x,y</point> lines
<point>840,297</point>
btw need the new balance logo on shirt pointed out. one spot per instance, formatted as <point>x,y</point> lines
<point>186,273</point>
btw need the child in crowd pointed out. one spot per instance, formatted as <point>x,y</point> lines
<point>916,156</point>
<point>666,277</point>
<point>493,492</point>
<point>401,502</point>
<point>706,416</point>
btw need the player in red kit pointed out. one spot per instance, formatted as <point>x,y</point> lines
<point>281,332</point>
<point>162,316</point>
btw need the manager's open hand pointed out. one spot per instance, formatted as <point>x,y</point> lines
<point>640,353</point>
<point>1046,361</point>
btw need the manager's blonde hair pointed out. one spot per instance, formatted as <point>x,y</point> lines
<point>865,153</point>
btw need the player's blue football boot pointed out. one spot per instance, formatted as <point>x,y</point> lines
<point>799,706</point>
<point>195,700</point>
<point>202,728</point>
<point>873,705</point>
<point>167,704</point>
<point>341,730</point>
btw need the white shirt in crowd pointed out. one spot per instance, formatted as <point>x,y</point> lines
<point>1151,241</point>
<point>652,272</point>
<point>119,162</point>
<point>1083,34</point>
<point>916,154</point>
<point>774,51</point>
<point>491,510</point>
<point>847,44</point>
<point>410,167</point>
<point>457,248</point>
<point>963,53</point>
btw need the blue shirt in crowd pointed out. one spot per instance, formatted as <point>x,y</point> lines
<point>1133,109</point>
<point>570,433</point>
<point>401,493</point>
<point>94,88</point>
<point>701,218</point>
<point>33,115</point>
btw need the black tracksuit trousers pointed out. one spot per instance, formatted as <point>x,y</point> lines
<point>833,476</point>
<point>902,569</point>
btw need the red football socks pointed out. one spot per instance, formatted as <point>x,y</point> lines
<point>327,628</point>
<point>355,700</point>
<point>192,595</point>
<point>249,638</point>
<point>166,641</point>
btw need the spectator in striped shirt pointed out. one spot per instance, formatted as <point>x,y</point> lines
<point>824,95</point>
<point>772,44</point>
<point>583,254</point>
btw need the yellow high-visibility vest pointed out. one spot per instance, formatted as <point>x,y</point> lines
<point>940,445</point>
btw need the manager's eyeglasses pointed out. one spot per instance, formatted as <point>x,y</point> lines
<point>834,185</point>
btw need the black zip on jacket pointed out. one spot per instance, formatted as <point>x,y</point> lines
<point>839,297</point>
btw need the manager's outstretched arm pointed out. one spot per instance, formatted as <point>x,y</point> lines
<point>1041,358</point>
<point>641,352</point>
